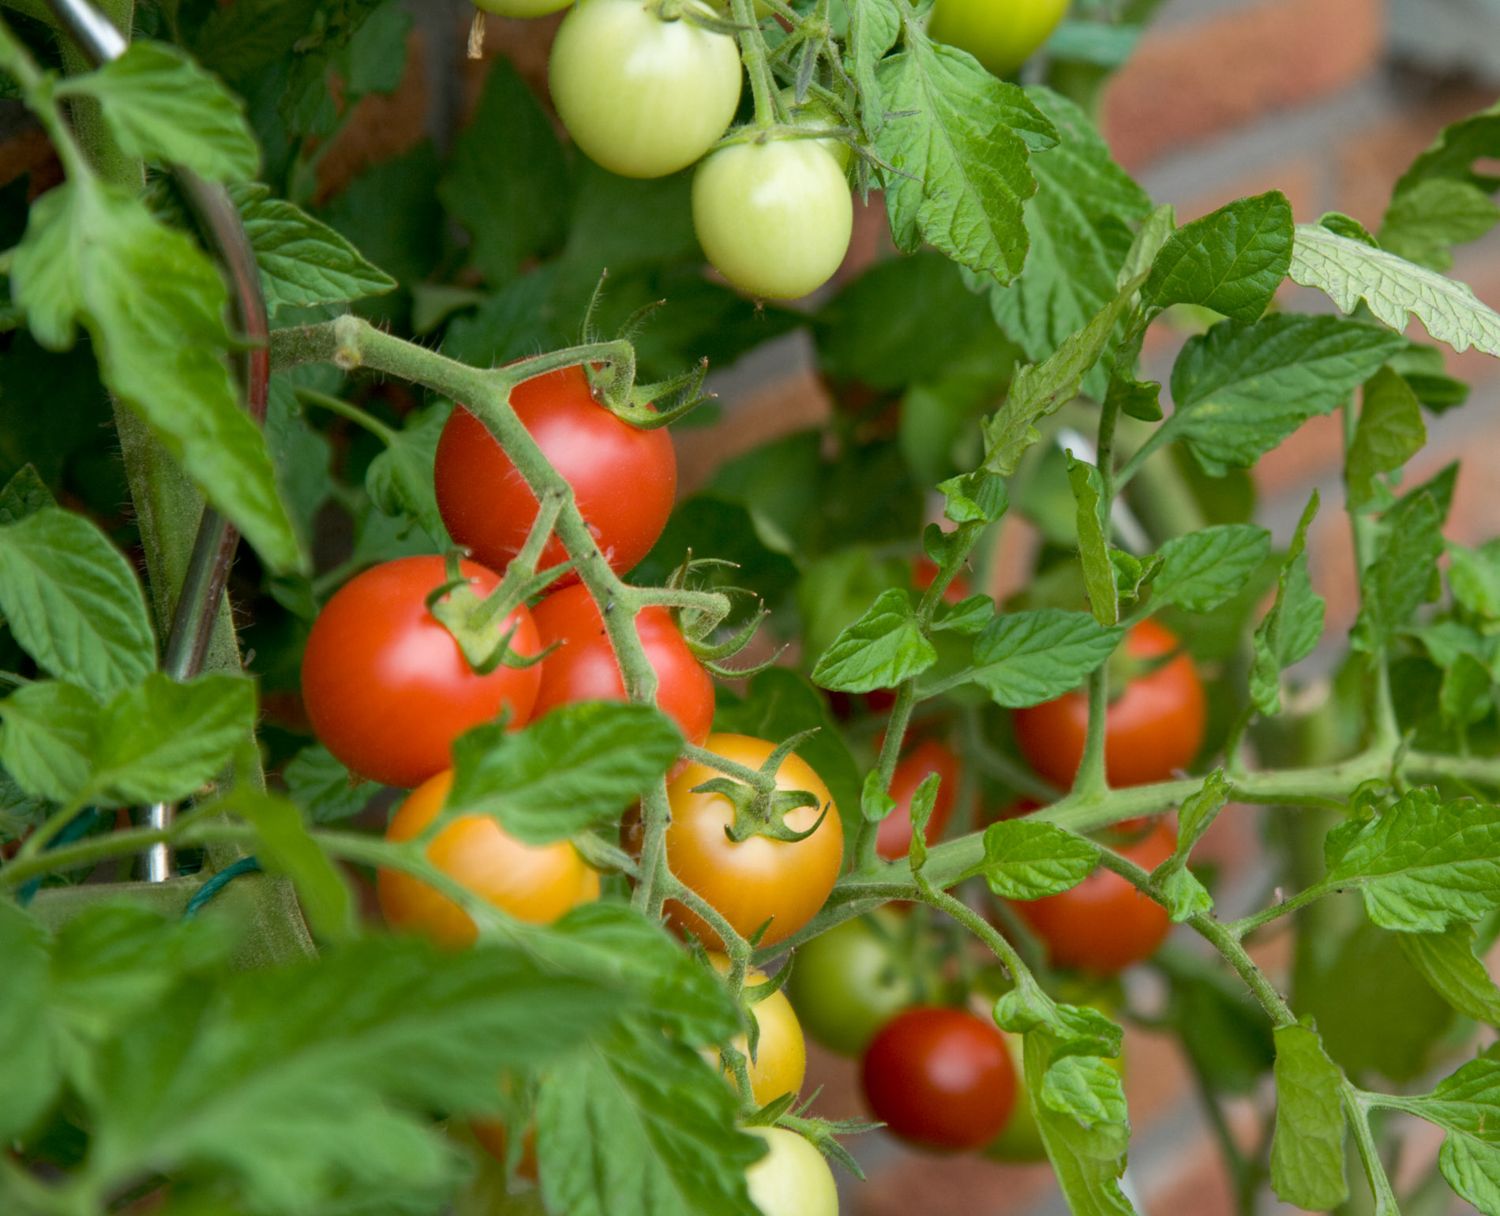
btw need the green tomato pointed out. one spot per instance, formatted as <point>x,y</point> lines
<point>1001,34</point>
<point>816,115</point>
<point>774,217</point>
<point>850,981</point>
<point>792,1179</point>
<point>642,96</point>
<point>521,8</point>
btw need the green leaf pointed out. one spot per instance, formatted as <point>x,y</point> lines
<point>1307,1153</point>
<point>1079,225</point>
<point>1467,1106</point>
<point>1231,261</point>
<point>672,1147</point>
<point>1474,576</point>
<point>1025,658</point>
<point>1422,864</point>
<point>1454,152</point>
<point>284,847</point>
<point>399,479</point>
<point>48,737</point>
<point>1183,895</point>
<point>963,172</point>
<point>507,181</point>
<point>1076,1029</point>
<point>1390,432</point>
<point>575,768</point>
<point>73,602</point>
<point>32,1071</point>
<point>1025,860</point>
<point>1202,570</point>
<point>1086,1089</point>
<point>303,262</point>
<point>1448,962</point>
<point>882,649</point>
<point>1424,223</point>
<point>1467,692</point>
<point>1404,574</point>
<point>161,106</point>
<point>155,306</point>
<point>1291,630</point>
<point>974,498</point>
<point>24,494</point>
<point>322,786</point>
<point>1093,541</point>
<point>1393,289</point>
<point>1240,390</point>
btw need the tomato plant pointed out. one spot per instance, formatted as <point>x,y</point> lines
<point>940,1078</point>
<point>536,884</point>
<point>489,508</point>
<point>848,982</point>
<point>792,1179</point>
<point>1153,728</point>
<point>583,667</point>
<point>1003,36</point>
<point>643,93</point>
<point>773,217</point>
<point>386,686</point>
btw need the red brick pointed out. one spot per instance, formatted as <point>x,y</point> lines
<point>24,152</point>
<point>1190,82</point>
<point>383,126</point>
<point>1331,562</point>
<point>1202,1187</point>
<point>1308,455</point>
<point>1157,1080</point>
<point>1301,178</point>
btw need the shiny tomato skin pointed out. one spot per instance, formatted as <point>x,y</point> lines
<point>940,1078</point>
<point>583,665</point>
<point>386,687</point>
<point>893,838</point>
<point>757,880</point>
<point>1104,925</point>
<point>780,1063</point>
<point>1001,34</point>
<point>1152,729</point>
<point>533,883</point>
<point>849,981</point>
<point>792,1179</point>
<point>624,479</point>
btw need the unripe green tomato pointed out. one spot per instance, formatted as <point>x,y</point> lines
<point>521,8</point>
<point>792,1179</point>
<point>849,982</point>
<point>773,217</point>
<point>1001,34</point>
<point>818,115</point>
<point>642,96</point>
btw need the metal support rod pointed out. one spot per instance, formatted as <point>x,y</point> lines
<point>214,546</point>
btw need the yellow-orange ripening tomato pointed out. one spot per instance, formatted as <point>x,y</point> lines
<point>780,1063</point>
<point>757,881</point>
<point>1001,34</point>
<point>536,883</point>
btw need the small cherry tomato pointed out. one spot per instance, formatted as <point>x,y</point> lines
<point>757,881</point>
<point>792,1179</point>
<point>1152,729</point>
<point>1104,925</point>
<point>623,478</point>
<point>583,667</point>
<point>773,217</point>
<point>521,8</point>
<point>780,1063</point>
<point>386,686</point>
<point>848,982</point>
<point>940,1078</point>
<point>643,95</point>
<point>1001,34</point>
<point>893,838</point>
<point>535,883</point>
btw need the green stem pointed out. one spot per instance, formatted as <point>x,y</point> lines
<point>1246,925</point>
<point>1383,713</point>
<point>1358,1111</point>
<point>352,413</point>
<point>757,66</point>
<point>101,848</point>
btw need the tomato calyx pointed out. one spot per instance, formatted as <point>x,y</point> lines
<point>477,622</point>
<point>695,14</point>
<point>760,808</point>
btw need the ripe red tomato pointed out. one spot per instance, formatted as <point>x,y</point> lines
<point>893,839</point>
<point>623,478</point>
<point>385,685</point>
<point>534,883</point>
<point>1152,729</point>
<point>924,570</point>
<point>940,1078</point>
<point>1104,925</point>
<point>758,880</point>
<point>583,667</point>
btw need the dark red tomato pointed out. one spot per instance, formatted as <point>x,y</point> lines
<point>385,685</point>
<point>583,667</point>
<point>1152,729</point>
<point>940,1078</point>
<point>624,479</point>
<point>924,570</point>
<point>893,838</point>
<point>1104,925</point>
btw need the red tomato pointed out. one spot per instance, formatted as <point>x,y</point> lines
<point>534,883</point>
<point>924,571</point>
<point>940,1078</point>
<point>1152,729</point>
<point>893,839</point>
<point>623,478</point>
<point>758,880</point>
<point>385,685</point>
<point>583,667</point>
<point>1104,925</point>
